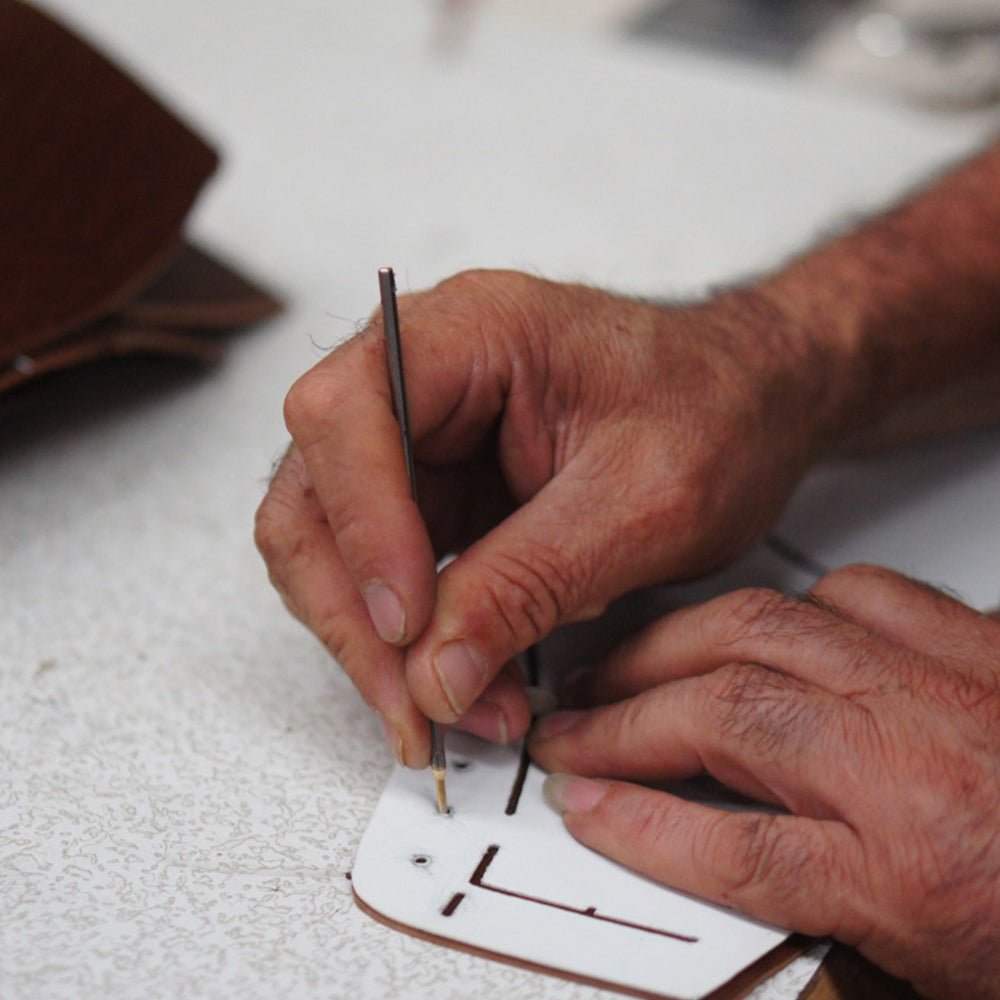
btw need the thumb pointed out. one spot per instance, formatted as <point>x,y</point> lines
<point>557,559</point>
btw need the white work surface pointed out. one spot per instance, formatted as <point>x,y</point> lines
<point>184,774</point>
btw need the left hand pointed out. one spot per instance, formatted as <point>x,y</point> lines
<point>869,710</point>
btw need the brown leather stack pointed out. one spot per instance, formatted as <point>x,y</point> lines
<point>96,179</point>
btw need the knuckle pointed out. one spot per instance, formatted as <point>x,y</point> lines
<point>277,518</point>
<point>271,528</point>
<point>769,627</point>
<point>628,720</point>
<point>846,579</point>
<point>615,741</point>
<point>463,282</point>
<point>856,586</point>
<point>870,665</point>
<point>753,852</point>
<point>488,282</point>
<point>761,710</point>
<point>734,851</point>
<point>315,400</point>
<point>296,553</point>
<point>740,694</point>
<point>753,614</point>
<point>285,554</point>
<point>304,403</point>
<point>492,300</point>
<point>529,595</point>
<point>267,535</point>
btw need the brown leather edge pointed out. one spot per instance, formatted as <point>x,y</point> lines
<point>737,987</point>
<point>109,340</point>
<point>197,290</point>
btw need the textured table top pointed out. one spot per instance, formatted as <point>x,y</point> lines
<point>184,774</point>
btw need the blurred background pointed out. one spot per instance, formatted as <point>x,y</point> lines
<point>940,54</point>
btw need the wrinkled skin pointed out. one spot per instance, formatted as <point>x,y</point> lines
<point>869,710</point>
<point>570,444</point>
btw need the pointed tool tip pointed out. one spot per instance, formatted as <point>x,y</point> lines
<point>442,795</point>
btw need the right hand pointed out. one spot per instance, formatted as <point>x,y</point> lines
<point>571,445</point>
<point>868,710</point>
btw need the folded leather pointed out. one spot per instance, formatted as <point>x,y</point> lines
<point>96,180</point>
<point>180,314</point>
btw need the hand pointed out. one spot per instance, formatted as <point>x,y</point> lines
<point>570,444</point>
<point>870,710</point>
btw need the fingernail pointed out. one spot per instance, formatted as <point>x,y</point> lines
<point>568,794</point>
<point>555,723</point>
<point>541,701</point>
<point>486,721</point>
<point>393,738</point>
<point>386,611</point>
<point>461,670</point>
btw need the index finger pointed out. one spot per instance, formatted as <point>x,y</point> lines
<point>758,731</point>
<point>340,414</point>
<point>785,870</point>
